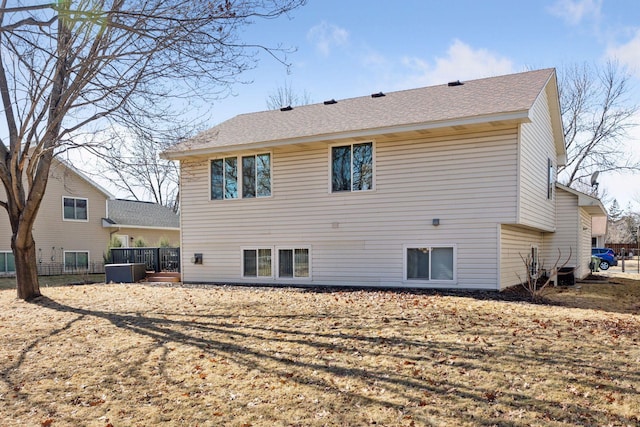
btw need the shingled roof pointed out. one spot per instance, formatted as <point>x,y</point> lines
<point>135,214</point>
<point>475,101</point>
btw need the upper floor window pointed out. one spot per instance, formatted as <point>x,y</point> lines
<point>249,177</point>
<point>352,167</point>
<point>256,176</point>
<point>224,178</point>
<point>551,179</point>
<point>75,208</point>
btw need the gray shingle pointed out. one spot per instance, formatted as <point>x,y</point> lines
<point>130,213</point>
<point>513,93</point>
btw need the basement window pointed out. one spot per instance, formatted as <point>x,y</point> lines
<point>7,263</point>
<point>76,261</point>
<point>429,263</point>
<point>256,262</point>
<point>293,263</point>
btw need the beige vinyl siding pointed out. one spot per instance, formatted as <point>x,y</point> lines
<point>152,237</point>
<point>566,236</point>
<point>515,242</point>
<point>53,235</point>
<point>584,245</point>
<point>573,235</point>
<point>357,238</point>
<point>536,147</point>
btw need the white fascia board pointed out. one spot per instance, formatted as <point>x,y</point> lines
<point>142,227</point>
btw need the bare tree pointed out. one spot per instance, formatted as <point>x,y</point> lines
<point>286,96</point>
<point>70,67</point>
<point>131,161</point>
<point>622,224</point>
<point>597,113</point>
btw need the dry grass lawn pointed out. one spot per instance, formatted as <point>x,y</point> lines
<point>144,355</point>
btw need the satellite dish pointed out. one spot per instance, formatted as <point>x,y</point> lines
<point>594,179</point>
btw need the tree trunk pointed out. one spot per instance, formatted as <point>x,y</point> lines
<point>26,267</point>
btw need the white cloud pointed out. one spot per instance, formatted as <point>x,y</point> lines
<point>374,59</point>
<point>574,11</point>
<point>462,62</point>
<point>628,54</point>
<point>326,36</point>
<point>625,186</point>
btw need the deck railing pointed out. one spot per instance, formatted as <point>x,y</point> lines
<point>156,259</point>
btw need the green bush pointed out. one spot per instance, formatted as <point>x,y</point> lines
<point>164,242</point>
<point>139,243</point>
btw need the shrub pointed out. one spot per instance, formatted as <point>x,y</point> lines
<point>139,243</point>
<point>164,242</point>
<point>536,281</point>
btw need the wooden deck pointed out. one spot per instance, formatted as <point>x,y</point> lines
<point>163,276</point>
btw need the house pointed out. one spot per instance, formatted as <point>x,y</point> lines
<point>76,220</point>
<point>133,220</point>
<point>441,187</point>
<point>68,230</point>
<point>579,219</point>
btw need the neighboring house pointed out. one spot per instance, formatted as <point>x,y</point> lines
<point>599,231</point>
<point>578,218</point>
<point>131,220</point>
<point>68,229</point>
<point>444,187</point>
<point>76,220</point>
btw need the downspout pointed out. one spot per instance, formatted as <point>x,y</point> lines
<point>112,233</point>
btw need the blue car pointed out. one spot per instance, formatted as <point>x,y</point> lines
<point>607,257</point>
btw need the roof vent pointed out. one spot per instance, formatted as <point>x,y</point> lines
<point>330,102</point>
<point>377,95</point>
<point>456,83</point>
<point>287,108</point>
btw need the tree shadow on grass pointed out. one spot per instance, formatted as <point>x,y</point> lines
<point>418,366</point>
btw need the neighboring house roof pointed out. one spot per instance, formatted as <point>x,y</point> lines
<point>591,204</point>
<point>485,100</point>
<point>136,214</point>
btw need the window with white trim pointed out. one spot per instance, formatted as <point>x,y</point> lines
<point>7,263</point>
<point>257,262</point>
<point>551,179</point>
<point>534,260</point>
<point>241,177</point>
<point>294,263</point>
<point>352,167</point>
<point>429,263</point>
<point>75,208</point>
<point>76,260</point>
<point>256,176</point>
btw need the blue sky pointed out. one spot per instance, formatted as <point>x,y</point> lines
<point>352,48</point>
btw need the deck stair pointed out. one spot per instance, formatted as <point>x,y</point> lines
<point>163,276</point>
